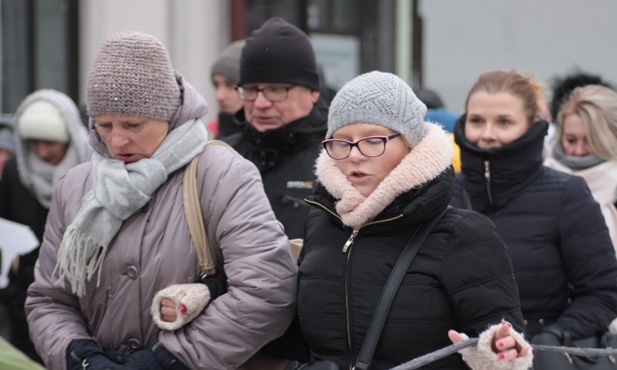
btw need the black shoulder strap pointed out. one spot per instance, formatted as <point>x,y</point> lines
<point>389,291</point>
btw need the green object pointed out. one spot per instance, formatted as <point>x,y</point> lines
<point>13,359</point>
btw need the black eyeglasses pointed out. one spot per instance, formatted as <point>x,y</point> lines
<point>371,146</point>
<point>271,93</point>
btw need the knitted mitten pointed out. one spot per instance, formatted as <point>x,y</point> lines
<point>482,357</point>
<point>190,300</point>
<point>612,328</point>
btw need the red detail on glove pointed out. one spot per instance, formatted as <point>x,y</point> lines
<point>182,308</point>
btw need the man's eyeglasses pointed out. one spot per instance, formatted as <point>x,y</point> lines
<point>271,93</point>
<point>371,146</point>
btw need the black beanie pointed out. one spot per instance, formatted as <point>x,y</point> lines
<point>279,52</point>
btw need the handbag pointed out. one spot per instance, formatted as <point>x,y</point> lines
<point>389,291</point>
<point>195,221</point>
<point>555,336</point>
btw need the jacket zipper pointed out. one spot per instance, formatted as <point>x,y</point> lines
<point>349,241</point>
<point>347,249</point>
<point>487,177</point>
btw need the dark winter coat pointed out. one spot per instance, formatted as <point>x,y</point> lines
<point>285,158</point>
<point>18,204</point>
<point>556,235</point>
<point>21,202</point>
<point>460,279</point>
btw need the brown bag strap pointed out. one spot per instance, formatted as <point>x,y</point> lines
<point>194,218</point>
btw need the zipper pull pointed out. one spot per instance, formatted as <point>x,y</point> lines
<point>487,176</point>
<point>349,241</point>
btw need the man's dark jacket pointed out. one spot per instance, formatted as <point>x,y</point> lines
<point>286,158</point>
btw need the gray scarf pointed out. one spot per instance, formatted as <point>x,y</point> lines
<point>573,162</point>
<point>119,190</point>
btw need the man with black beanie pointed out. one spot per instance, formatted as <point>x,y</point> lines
<point>286,120</point>
<point>285,116</point>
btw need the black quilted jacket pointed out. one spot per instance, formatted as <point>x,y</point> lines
<point>460,279</point>
<point>556,236</point>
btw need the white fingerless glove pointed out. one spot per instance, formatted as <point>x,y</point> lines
<point>482,356</point>
<point>193,297</point>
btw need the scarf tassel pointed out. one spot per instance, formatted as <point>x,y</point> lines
<point>78,265</point>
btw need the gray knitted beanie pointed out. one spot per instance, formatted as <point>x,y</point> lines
<point>382,99</point>
<point>132,75</point>
<point>228,63</point>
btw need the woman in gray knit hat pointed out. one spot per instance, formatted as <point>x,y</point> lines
<point>117,233</point>
<point>383,173</point>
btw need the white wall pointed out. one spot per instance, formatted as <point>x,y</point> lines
<point>545,38</point>
<point>194,31</point>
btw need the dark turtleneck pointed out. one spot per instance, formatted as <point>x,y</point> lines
<point>493,176</point>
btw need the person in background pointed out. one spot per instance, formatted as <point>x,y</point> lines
<point>116,233</point>
<point>225,74</point>
<point>561,251</point>
<point>7,144</point>
<point>586,145</point>
<point>561,88</point>
<point>436,112</point>
<point>383,171</point>
<point>285,117</point>
<point>50,139</point>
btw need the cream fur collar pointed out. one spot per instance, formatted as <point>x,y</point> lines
<point>424,163</point>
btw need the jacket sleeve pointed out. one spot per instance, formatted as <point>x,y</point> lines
<point>589,260</point>
<point>262,277</point>
<point>53,313</point>
<point>477,274</point>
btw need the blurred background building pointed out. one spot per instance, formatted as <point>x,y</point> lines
<point>440,44</point>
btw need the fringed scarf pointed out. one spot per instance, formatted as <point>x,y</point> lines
<point>118,191</point>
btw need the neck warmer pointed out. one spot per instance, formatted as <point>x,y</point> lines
<point>575,163</point>
<point>425,162</point>
<point>119,190</point>
<point>493,177</point>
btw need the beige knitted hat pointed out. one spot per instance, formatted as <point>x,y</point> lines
<point>41,120</point>
<point>132,75</point>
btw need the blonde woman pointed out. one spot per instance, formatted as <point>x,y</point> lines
<point>561,252</point>
<point>586,145</point>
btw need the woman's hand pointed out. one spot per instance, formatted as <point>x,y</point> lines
<point>168,310</point>
<point>503,343</point>
<point>177,305</point>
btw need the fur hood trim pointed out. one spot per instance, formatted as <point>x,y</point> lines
<point>425,162</point>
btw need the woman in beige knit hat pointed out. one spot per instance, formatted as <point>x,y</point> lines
<point>117,233</point>
<point>49,139</point>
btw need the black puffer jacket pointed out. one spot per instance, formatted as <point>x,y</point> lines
<point>460,279</point>
<point>555,233</point>
<point>285,158</point>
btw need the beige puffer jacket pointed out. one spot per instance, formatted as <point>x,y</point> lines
<point>153,250</point>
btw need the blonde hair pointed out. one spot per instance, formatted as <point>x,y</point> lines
<point>596,106</point>
<point>515,83</point>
